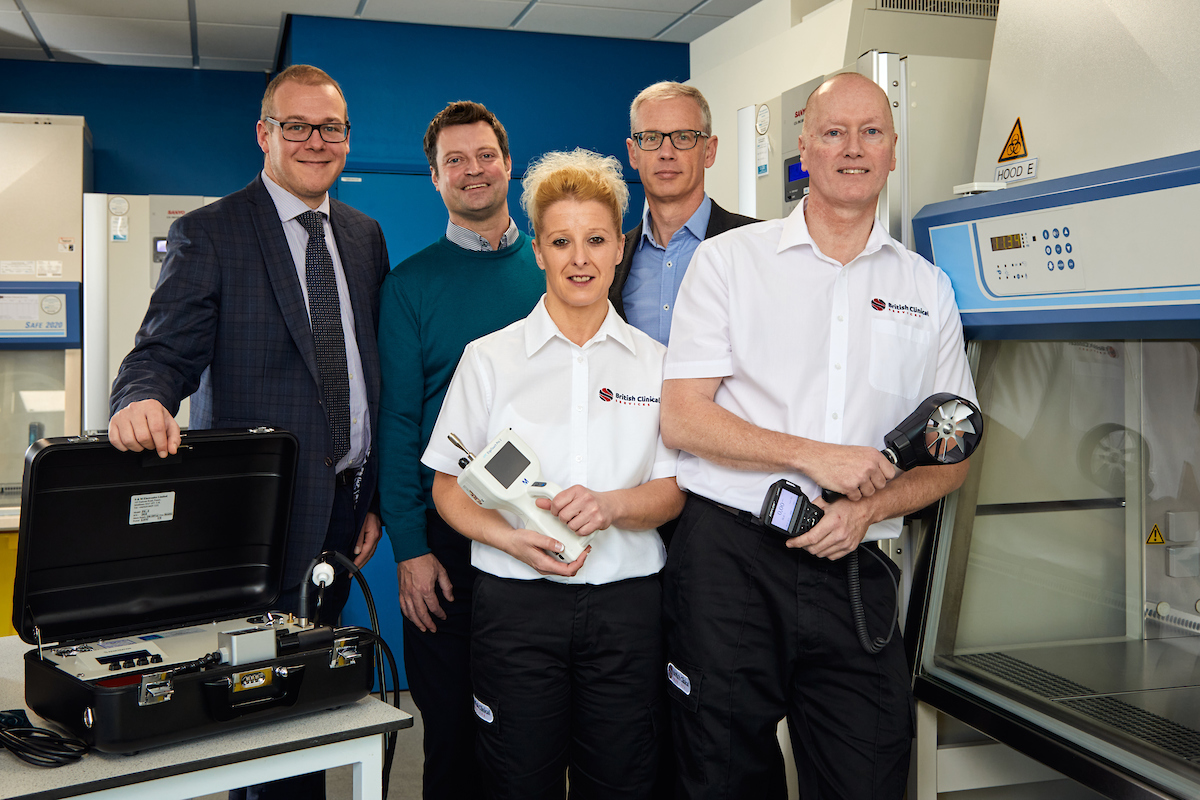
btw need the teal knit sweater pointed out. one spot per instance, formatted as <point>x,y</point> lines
<point>431,305</point>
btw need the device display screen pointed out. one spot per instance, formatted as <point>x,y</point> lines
<point>1012,241</point>
<point>784,508</point>
<point>507,465</point>
<point>795,172</point>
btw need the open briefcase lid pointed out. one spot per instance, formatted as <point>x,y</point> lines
<point>112,542</point>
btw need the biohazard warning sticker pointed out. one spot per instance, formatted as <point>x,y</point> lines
<point>1014,148</point>
<point>1015,163</point>
<point>1155,536</point>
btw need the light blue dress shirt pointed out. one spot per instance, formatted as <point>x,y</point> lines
<point>470,240</point>
<point>656,272</point>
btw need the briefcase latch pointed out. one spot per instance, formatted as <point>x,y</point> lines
<point>344,653</point>
<point>156,688</point>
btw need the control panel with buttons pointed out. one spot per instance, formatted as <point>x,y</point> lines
<point>1030,254</point>
<point>1115,238</point>
<point>106,658</point>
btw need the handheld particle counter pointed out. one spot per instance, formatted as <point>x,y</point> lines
<point>508,476</point>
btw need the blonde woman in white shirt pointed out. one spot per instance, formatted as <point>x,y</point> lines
<point>567,658</point>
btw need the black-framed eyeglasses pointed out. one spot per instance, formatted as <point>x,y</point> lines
<point>331,132</point>
<point>682,140</point>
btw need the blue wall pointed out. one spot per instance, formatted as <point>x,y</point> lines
<point>396,76</point>
<point>400,75</point>
<point>139,118</point>
<point>551,92</point>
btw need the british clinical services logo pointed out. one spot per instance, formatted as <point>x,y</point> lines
<point>1096,347</point>
<point>895,308</point>
<point>609,396</point>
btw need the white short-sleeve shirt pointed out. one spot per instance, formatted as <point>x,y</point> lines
<point>809,347</point>
<point>590,413</point>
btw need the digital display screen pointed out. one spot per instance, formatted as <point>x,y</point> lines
<point>507,465</point>
<point>796,172</point>
<point>160,245</point>
<point>784,508</point>
<point>1012,241</point>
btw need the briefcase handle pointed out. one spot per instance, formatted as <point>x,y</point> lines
<point>224,705</point>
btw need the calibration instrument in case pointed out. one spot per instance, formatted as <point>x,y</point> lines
<point>146,584</point>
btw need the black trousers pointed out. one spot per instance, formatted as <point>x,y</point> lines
<point>340,536</point>
<point>438,666</point>
<point>568,677</point>
<point>757,632</point>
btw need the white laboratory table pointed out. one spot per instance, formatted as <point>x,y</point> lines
<point>350,735</point>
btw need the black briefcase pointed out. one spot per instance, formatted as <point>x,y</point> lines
<point>147,585</point>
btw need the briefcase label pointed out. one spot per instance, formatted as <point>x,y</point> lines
<point>146,508</point>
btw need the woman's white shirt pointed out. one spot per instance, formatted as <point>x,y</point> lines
<point>590,413</point>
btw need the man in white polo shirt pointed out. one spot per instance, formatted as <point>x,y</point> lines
<point>796,345</point>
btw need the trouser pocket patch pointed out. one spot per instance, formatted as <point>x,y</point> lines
<point>484,711</point>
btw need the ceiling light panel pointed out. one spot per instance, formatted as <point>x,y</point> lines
<point>81,34</point>
<point>619,23</point>
<point>270,12</point>
<point>674,7</point>
<point>691,27</point>
<point>459,13</point>
<point>126,9</point>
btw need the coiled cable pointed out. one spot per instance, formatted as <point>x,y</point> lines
<point>41,747</point>
<point>858,613</point>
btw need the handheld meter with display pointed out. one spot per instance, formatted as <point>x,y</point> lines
<point>787,510</point>
<point>945,429</point>
<point>508,476</point>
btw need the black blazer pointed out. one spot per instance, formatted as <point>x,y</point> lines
<point>719,221</point>
<point>228,326</point>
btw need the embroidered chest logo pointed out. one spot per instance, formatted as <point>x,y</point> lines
<point>898,308</point>
<point>609,396</point>
<point>1100,349</point>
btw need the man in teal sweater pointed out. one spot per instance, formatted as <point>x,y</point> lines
<point>478,278</point>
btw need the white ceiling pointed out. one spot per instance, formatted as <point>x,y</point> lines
<point>244,35</point>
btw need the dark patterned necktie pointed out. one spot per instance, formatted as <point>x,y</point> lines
<point>325,312</point>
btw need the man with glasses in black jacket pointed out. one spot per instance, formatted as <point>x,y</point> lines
<point>670,145</point>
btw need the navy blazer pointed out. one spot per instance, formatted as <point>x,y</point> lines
<point>719,221</point>
<point>227,325</point>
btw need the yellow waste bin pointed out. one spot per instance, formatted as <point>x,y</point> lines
<point>8,576</point>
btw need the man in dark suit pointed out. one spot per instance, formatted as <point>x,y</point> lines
<point>229,323</point>
<point>670,145</point>
<point>266,313</point>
